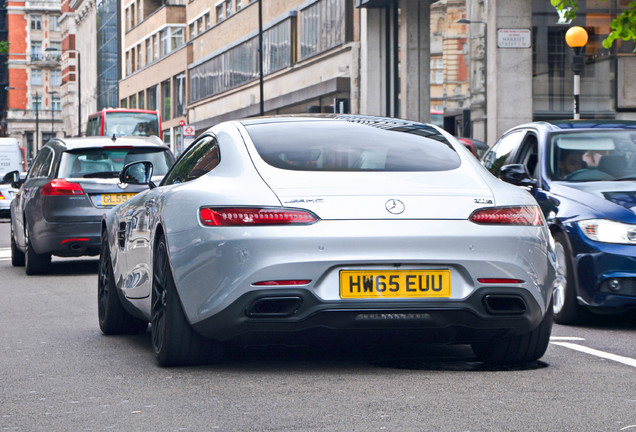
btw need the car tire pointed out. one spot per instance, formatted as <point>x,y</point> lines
<point>34,263</point>
<point>174,341</point>
<point>113,318</point>
<point>17,256</point>
<point>566,308</point>
<point>517,349</point>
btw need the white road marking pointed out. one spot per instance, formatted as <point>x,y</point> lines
<point>5,253</point>
<point>566,338</point>
<point>620,359</point>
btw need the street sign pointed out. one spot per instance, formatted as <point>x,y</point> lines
<point>182,123</point>
<point>514,38</point>
<point>188,131</point>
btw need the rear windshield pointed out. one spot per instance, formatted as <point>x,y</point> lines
<point>347,146</point>
<point>127,123</point>
<point>107,163</point>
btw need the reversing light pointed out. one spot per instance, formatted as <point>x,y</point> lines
<point>61,187</point>
<point>235,216</point>
<point>514,215</point>
<point>282,282</point>
<point>499,281</point>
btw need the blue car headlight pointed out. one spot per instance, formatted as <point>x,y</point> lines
<point>608,231</point>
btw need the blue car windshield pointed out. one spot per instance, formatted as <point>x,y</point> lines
<point>600,155</point>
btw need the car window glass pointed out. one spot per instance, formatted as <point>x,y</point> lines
<point>583,156</point>
<point>501,152</point>
<point>42,164</point>
<point>529,156</point>
<point>199,159</point>
<point>353,146</point>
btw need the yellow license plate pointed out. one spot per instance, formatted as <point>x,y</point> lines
<point>113,199</point>
<point>395,284</point>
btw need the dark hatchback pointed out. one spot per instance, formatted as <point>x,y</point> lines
<point>583,174</point>
<point>71,183</point>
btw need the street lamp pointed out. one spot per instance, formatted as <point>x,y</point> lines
<point>576,38</point>
<point>79,87</point>
<point>52,92</point>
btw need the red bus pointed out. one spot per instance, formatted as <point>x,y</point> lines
<point>124,121</point>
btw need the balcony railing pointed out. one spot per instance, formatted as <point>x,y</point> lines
<point>46,59</point>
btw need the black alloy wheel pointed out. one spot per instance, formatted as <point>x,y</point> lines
<point>113,318</point>
<point>35,263</point>
<point>174,341</point>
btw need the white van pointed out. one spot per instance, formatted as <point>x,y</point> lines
<point>11,156</point>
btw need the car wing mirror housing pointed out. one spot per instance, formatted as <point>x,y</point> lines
<point>12,177</point>
<point>517,174</point>
<point>138,173</point>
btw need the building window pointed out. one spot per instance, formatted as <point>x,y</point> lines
<point>322,26</point>
<point>152,98</point>
<point>165,37</point>
<point>437,71</point>
<point>176,38</point>
<point>142,101</point>
<point>128,26</point>
<point>133,101</point>
<point>139,57</point>
<point>206,17</point>
<point>179,95</point>
<point>56,78</point>
<point>193,30</point>
<point>239,64</point>
<point>36,22</point>
<point>36,50</point>
<point>165,100</point>
<point>166,137</point>
<point>54,23</point>
<point>220,12</point>
<point>155,39</point>
<point>148,51</point>
<point>128,68</point>
<point>36,102</point>
<point>123,103</point>
<point>36,77</point>
<point>56,103</point>
<point>140,11</point>
<point>239,5</point>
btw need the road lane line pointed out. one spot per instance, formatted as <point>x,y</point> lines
<point>620,359</point>
<point>566,338</point>
<point>5,253</point>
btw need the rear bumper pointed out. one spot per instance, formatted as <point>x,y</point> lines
<point>299,310</point>
<point>67,239</point>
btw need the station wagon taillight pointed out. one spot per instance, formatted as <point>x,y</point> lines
<point>515,215</point>
<point>62,187</point>
<point>235,216</point>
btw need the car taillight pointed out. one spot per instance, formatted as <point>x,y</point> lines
<point>234,216</point>
<point>2,196</point>
<point>499,281</point>
<point>519,215</point>
<point>282,282</point>
<point>62,187</point>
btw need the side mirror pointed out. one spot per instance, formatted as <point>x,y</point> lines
<point>139,173</point>
<point>517,174</point>
<point>12,177</point>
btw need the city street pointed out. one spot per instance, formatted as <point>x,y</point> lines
<point>60,373</point>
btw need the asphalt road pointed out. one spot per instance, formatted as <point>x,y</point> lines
<point>59,373</point>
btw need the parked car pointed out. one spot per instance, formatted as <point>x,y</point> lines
<point>71,183</point>
<point>583,175</point>
<point>477,148</point>
<point>7,192</point>
<point>377,226</point>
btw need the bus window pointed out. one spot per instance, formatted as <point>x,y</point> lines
<point>123,122</point>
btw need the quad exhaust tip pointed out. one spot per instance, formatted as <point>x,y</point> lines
<point>504,304</point>
<point>274,307</point>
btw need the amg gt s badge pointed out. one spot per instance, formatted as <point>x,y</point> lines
<point>394,206</point>
<point>483,201</point>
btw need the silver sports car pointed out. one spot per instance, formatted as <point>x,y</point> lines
<point>331,225</point>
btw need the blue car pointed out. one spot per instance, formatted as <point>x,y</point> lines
<point>583,175</point>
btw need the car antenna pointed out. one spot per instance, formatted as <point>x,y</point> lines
<point>114,138</point>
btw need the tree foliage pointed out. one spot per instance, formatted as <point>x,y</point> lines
<point>4,47</point>
<point>622,27</point>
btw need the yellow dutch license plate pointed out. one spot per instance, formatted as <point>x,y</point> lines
<point>395,284</point>
<point>113,199</point>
